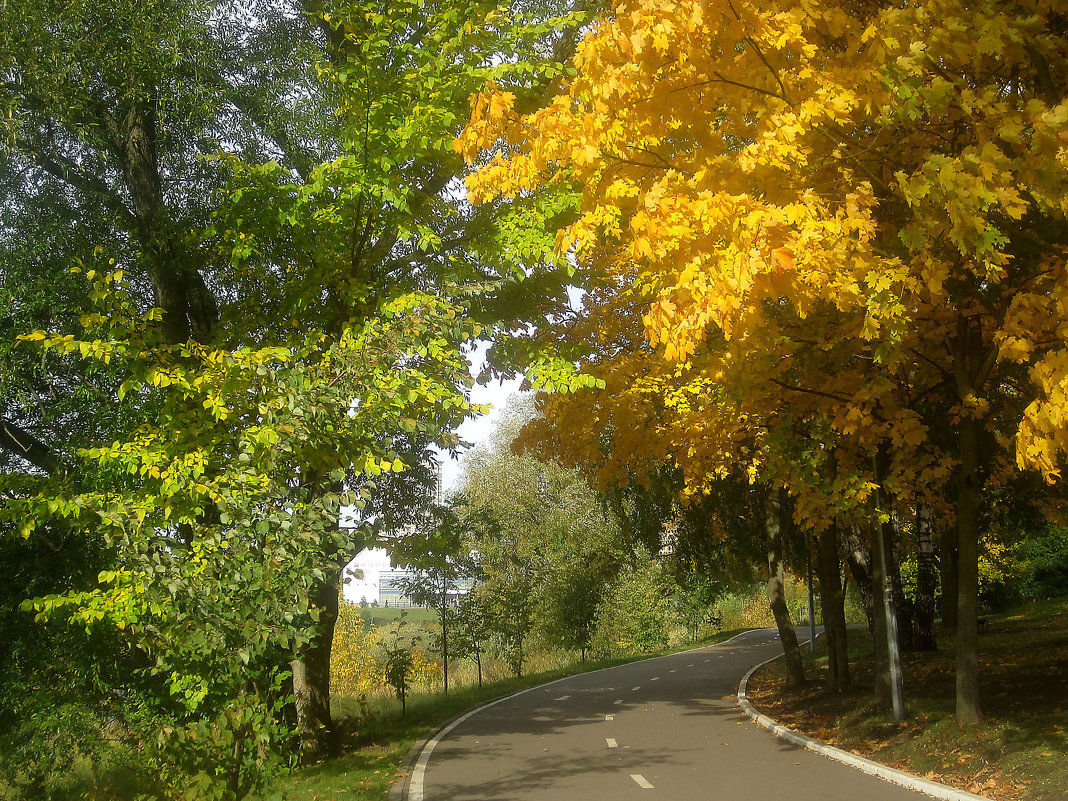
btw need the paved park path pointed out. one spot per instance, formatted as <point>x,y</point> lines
<point>664,728</point>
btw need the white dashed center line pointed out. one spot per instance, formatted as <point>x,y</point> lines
<point>641,781</point>
<point>619,701</point>
<point>563,698</point>
<point>609,717</point>
<point>655,678</point>
<point>632,689</point>
<point>611,743</point>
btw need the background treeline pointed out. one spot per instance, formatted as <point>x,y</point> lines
<point>562,573</point>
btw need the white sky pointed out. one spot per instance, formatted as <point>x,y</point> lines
<point>479,430</point>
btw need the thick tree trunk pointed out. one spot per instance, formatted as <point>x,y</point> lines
<point>888,683</point>
<point>923,638</point>
<point>968,711</point>
<point>858,558</point>
<point>795,669</point>
<point>190,310</point>
<point>311,678</point>
<point>832,600</point>
<point>947,565</point>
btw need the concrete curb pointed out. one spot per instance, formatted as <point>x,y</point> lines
<point>415,761</point>
<point>884,772</point>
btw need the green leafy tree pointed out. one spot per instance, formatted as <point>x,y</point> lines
<point>550,534</point>
<point>471,629</point>
<point>440,566</point>
<point>635,613</point>
<point>276,181</point>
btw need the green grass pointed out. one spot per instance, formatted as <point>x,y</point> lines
<point>375,750</point>
<point>384,615</point>
<point>1019,753</point>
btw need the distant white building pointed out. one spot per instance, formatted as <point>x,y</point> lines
<point>371,563</point>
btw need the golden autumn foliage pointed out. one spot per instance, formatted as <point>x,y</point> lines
<point>845,226</point>
<point>356,665</point>
<point>885,183</point>
<point>354,672</point>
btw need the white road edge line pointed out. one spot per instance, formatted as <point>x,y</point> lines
<point>611,743</point>
<point>641,781</point>
<point>888,774</point>
<point>415,786</point>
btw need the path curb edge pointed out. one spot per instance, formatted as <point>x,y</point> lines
<point>884,772</point>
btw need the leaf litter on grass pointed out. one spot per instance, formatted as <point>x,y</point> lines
<point>1018,754</point>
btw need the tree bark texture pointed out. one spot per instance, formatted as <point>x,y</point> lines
<point>795,669</point>
<point>25,445</point>
<point>923,631</point>
<point>311,678</point>
<point>858,559</point>
<point>902,605</point>
<point>948,561</point>
<point>190,309</point>
<point>968,710</point>
<point>888,681</point>
<point>832,601</point>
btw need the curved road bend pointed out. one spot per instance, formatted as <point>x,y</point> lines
<point>665,728</point>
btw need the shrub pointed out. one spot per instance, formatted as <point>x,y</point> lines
<point>354,671</point>
<point>635,612</point>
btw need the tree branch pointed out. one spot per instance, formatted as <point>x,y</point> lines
<point>26,446</point>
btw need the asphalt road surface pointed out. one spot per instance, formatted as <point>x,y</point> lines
<point>665,728</point>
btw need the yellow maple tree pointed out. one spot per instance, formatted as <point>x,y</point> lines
<point>891,180</point>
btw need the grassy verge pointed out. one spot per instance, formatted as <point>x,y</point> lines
<point>374,752</point>
<point>383,616</point>
<point>1018,754</point>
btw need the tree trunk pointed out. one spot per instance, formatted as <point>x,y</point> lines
<point>311,678</point>
<point>926,582</point>
<point>902,605</point>
<point>858,558</point>
<point>887,655</point>
<point>188,305</point>
<point>888,681</point>
<point>968,711</point>
<point>26,446</point>
<point>795,669</point>
<point>947,562</point>
<point>832,601</point>
<point>445,636</point>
